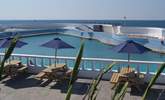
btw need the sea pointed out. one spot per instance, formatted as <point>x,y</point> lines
<point>139,23</point>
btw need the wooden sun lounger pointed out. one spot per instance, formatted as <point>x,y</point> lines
<point>40,75</point>
<point>122,75</point>
<point>115,78</point>
<point>48,72</point>
<point>126,74</point>
<point>126,70</point>
<point>59,73</point>
<point>13,62</point>
<point>22,69</point>
<point>14,67</point>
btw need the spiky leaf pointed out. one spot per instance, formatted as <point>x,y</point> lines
<point>120,91</point>
<point>94,86</point>
<point>153,80</point>
<point>8,54</point>
<point>75,72</point>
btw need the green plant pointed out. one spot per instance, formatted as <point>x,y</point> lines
<point>120,91</point>
<point>75,71</point>
<point>8,54</point>
<point>93,89</point>
<point>153,80</point>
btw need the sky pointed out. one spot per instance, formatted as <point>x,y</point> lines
<point>82,9</point>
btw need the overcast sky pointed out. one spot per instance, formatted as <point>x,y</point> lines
<point>82,9</point>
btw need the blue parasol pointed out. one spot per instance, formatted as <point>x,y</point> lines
<point>5,43</point>
<point>130,47</point>
<point>57,43</point>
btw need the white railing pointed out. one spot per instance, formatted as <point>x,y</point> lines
<point>94,64</point>
<point>89,66</point>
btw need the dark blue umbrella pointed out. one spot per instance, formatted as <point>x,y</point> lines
<point>130,47</point>
<point>5,43</point>
<point>57,43</point>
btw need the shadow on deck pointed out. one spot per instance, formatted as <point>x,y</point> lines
<point>27,87</point>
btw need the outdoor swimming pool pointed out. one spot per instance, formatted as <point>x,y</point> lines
<point>93,49</point>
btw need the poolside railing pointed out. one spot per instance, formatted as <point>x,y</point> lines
<point>93,64</point>
<point>90,67</point>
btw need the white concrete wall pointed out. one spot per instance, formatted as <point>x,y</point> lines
<point>147,31</point>
<point>152,32</point>
<point>108,29</point>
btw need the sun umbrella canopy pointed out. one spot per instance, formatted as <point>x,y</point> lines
<point>57,43</point>
<point>130,46</point>
<point>6,42</point>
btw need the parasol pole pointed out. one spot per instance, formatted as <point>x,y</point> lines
<point>55,58</point>
<point>128,59</point>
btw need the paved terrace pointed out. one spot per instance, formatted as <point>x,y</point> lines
<point>27,88</point>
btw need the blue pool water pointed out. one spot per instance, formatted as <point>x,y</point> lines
<point>93,49</point>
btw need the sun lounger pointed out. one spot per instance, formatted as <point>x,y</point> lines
<point>58,73</point>
<point>14,67</point>
<point>68,74</point>
<point>22,69</point>
<point>40,75</point>
<point>115,78</point>
<point>126,74</point>
<point>13,62</point>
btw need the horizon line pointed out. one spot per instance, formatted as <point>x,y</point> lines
<point>38,19</point>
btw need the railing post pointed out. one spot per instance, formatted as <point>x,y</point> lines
<point>118,68</point>
<point>138,68</point>
<point>82,65</point>
<point>93,68</point>
<point>57,60</point>
<point>20,58</point>
<point>65,60</point>
<point>35,61</point>
<point>42,62</point>
<point>148,69</point>
<point>50,61</point>
<point>27,59</point>
<point>9,59</point>
<point>12,57</point>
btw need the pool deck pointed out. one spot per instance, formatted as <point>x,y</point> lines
<point>28,88</point>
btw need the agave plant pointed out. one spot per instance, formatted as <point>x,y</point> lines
<point>75,72</point>
<point>93,89</point>
<point>153,80</point>
<point>8,53</point>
